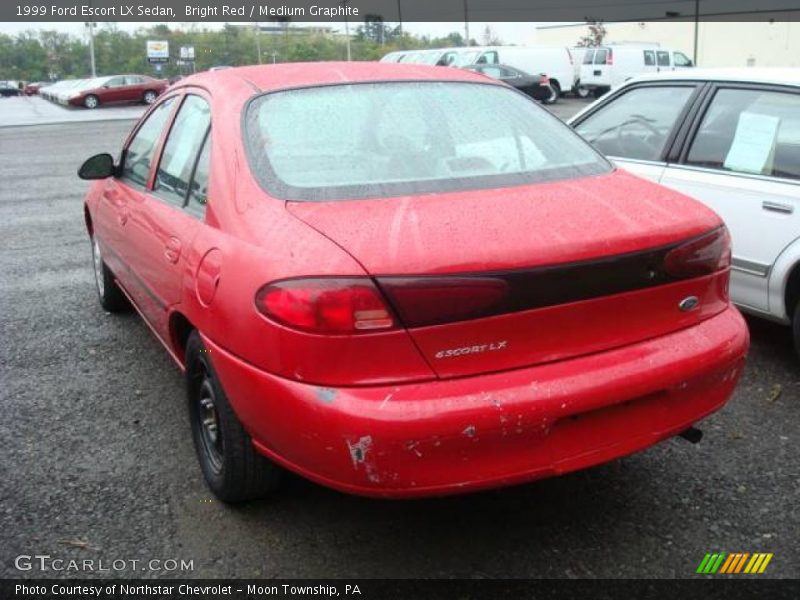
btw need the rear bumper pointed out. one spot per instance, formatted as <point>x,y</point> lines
<point>450,436</point>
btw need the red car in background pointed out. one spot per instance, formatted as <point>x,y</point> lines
<point>32,89</point>
<point>400,280</point>
<point>117,89</point>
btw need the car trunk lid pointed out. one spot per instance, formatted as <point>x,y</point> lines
<point>497,279</point>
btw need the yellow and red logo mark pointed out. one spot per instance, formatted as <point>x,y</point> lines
<point>734,563</point>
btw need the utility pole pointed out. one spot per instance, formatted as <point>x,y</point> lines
<point>346,30</point>
<point>258,42</point>
<point>90,26</point>
<point>400,18</point>
<point>696,27</point>
<point>466,24</point>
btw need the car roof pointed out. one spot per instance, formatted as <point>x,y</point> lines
<point>265,78</point>
<point>787,76</point>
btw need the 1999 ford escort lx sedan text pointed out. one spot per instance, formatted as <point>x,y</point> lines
<point>400,280</point>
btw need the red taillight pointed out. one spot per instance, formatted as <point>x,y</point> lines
<point>700,256</point>
<point>610,57</point>
<point>332,306</point>
<point>545,80</point>
<point>434,300</point>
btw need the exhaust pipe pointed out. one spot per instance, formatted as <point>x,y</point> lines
<point>692,434</point>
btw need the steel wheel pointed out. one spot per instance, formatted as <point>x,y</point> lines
<point>209,425</point>
<point>97,262</point>
<point>110,296</point>
<point>232,467</point>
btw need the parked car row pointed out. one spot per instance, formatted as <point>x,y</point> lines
<point>555,62</point>
<point>582,71</point>
<point>115,89</point>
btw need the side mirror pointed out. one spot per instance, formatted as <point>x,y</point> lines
<point>99,166</point>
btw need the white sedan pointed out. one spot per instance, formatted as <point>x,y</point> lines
<point>731,139</point>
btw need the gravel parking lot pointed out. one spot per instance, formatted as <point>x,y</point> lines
<point>98,460</point>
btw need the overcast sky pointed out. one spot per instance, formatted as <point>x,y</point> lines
<point>510,33</point>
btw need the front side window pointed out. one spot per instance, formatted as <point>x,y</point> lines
<point>681,60</point>
<point>494,71</point>
<point>750,131</point>
<point>139,153</point>
<point>181,150</point>
<point>115,82</point>
<point>663,58</point>
<point>389,139</point>
<point>636,124</point>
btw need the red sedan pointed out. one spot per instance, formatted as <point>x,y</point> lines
<point>398,280</point>
<point>117,89</point>
<point>32,89</point>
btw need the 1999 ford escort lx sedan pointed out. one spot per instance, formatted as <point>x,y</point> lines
<point>398,280</point>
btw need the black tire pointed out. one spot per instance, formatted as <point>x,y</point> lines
<point>555,94</point>
<point>91,101</point>
<point>111,297</point>
<point>796,328</point>
<point>583,92</point>
<point>149,97</point>
<point>233,469</point>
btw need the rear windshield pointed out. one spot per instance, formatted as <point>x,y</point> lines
<point>398,138</point>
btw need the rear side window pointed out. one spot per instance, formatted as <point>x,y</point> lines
<point>389,139</point>
<point>663,58</point>
<point>636,124</point>
<point>181,150</point>
<point>588,58</point>
<point>139,154</point>
<point>649,58</point>
<point>750,131</point>
<point>198,192</point>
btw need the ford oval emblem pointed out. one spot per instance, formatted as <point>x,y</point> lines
<point>689,303</point>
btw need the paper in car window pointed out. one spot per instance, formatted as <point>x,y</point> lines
<point>753,146</point>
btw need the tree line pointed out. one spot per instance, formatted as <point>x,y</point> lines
<point>44,55</point>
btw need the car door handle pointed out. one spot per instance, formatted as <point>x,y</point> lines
<point>778,207</point>
<point>172,251</point>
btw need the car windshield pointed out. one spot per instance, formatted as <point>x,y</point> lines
<point>398,138</point>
